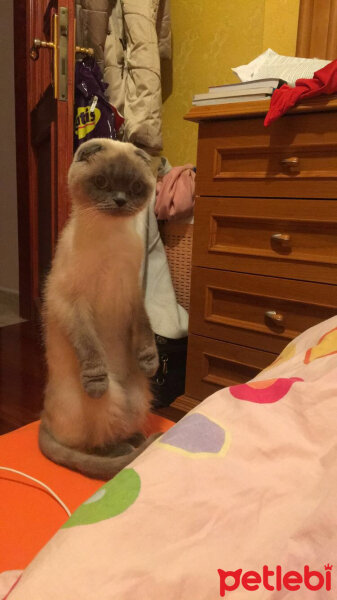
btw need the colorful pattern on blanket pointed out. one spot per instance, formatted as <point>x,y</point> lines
<point>247,479</point>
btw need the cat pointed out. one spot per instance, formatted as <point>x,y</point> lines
<point>100,348</point>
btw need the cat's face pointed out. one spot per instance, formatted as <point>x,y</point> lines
<point>112,177</point>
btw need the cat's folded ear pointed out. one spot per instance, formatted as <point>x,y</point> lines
<point>87,150</point>
<point>144,155</point>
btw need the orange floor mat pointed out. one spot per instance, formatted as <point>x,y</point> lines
<point>29,515</point>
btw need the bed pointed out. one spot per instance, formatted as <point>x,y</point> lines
<point>244,485</point>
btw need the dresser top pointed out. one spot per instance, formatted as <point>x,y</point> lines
<point>257,108</point>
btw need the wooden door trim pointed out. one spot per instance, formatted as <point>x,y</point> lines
<point>317,29</point>
<point>22,126</point>
<point>27,190</point>
<point>65,114</point>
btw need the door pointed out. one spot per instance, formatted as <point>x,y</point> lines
<point>44,79</point>
<point>317,29</point>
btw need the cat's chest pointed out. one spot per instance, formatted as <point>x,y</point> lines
<point>100,263</point>
<point>110,271</point>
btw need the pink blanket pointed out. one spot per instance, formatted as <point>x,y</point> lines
<point>239,496</point>
<point>175,194</point>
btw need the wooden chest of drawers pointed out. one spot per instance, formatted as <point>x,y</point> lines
<point>265,238</point>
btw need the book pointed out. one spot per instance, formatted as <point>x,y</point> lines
<point>267,90</point>
<point>220,100</point>
<point>247,85</point>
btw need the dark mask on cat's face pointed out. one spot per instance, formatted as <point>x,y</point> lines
<point>114,177</point>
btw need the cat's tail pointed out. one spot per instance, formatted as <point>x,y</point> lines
<point>91,465</point>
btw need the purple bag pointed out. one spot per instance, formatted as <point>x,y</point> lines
<point>94,115</point>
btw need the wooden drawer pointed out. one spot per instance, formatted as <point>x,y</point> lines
<point>233,307</point>
<point>241,157</point>
<point>212,365</point>
<point>245,234</point>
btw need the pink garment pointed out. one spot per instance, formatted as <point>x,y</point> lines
<point>175,194</point>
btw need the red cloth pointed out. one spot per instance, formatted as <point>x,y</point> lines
<point>324,81</point>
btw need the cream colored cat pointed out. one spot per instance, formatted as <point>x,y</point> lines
<point>99,344</point>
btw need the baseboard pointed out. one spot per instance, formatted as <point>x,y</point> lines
<point>10,298</point>
<point>9,291</point>
<point>9,307</point>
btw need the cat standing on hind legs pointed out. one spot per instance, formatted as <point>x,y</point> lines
<point>100,348</point>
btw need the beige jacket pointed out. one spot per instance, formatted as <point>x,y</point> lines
<point>129,38</point>
<point>92,25</point>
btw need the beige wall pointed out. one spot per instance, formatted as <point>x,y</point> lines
<point>9,269</point>
<point>210,37</point>
<point>280,26</point>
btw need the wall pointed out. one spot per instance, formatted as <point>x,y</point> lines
<point>280,26</point>
<point>210,37</point>
<point>9,269</point>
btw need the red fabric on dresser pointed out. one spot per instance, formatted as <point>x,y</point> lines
<point>323,82</point>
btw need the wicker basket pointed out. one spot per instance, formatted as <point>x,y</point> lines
<point>177,239</point>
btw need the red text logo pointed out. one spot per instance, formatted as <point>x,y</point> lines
<point>275,579</point>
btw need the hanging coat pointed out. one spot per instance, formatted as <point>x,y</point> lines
<point>129,38</point>
<point>92,18</point>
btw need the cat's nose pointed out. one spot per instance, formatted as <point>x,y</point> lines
<point>120,199</point>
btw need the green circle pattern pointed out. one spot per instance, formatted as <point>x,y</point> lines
<point>112,499</point>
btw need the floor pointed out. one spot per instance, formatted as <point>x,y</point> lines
<point>22,377</point>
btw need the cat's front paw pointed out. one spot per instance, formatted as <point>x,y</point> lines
<point>148,360</point>
<point>95,381</point>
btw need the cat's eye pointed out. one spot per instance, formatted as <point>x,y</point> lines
<point>101,182</point>
<point>137,188</point>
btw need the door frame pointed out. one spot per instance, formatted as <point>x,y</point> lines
<point>26,92</point>
<point>317,29</point>
<point>22,126</point>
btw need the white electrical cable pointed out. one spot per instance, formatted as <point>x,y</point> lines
<point>42,484</point>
